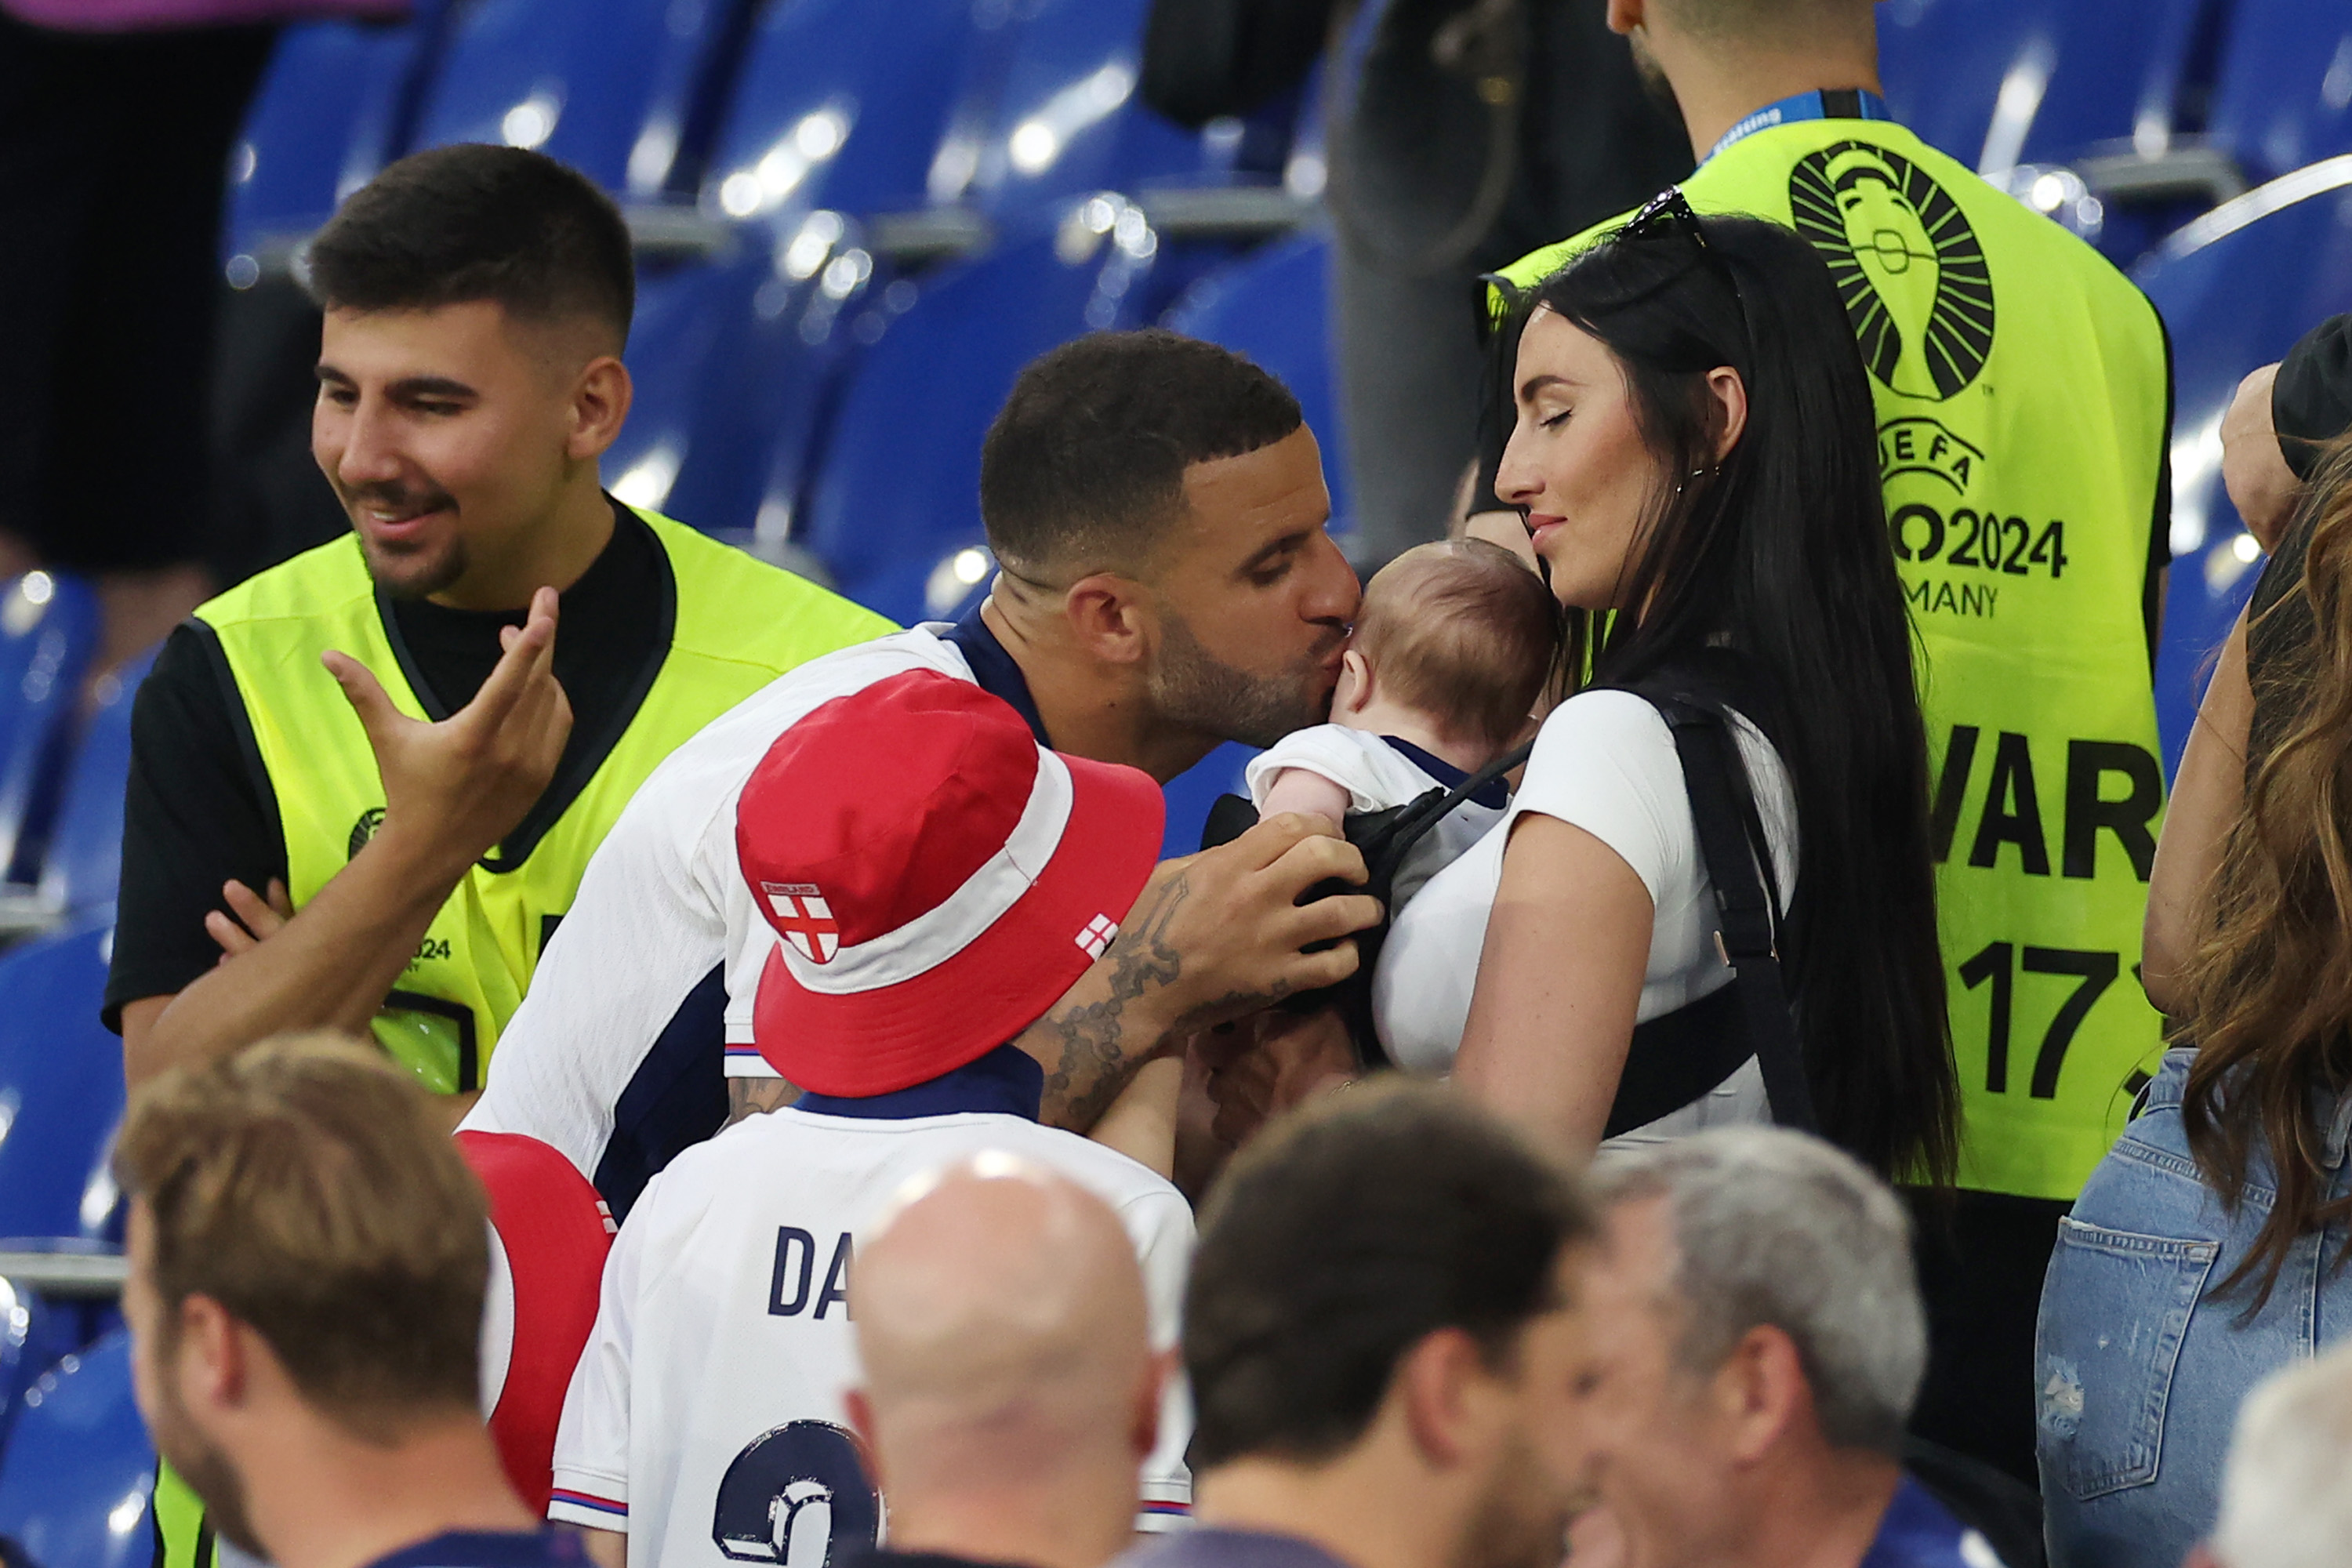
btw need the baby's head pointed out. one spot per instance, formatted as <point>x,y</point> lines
<point>1461,634</point>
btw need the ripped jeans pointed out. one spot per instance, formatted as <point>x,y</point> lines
<point>2139,1372</point>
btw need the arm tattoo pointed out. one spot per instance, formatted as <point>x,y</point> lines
<point>752,1096</point>
<point>1094,1063</point>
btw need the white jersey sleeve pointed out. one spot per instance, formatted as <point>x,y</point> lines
<point>1160,1225</point>
<point>591,1441</point>
<point>1374,775</point>
<point>662,939</point>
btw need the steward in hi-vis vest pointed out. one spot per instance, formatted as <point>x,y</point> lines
<point>735,625</point>
<point>365,784</point>
<point>2024,403</point>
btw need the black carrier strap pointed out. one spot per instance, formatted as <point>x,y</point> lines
<point>1737,857</point>
<point>1682,1056</point>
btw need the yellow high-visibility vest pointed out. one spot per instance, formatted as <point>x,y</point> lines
<point>2024,394</point>
<point>736,624</point>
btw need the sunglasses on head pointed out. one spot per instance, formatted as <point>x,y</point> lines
<point>1668,216</point>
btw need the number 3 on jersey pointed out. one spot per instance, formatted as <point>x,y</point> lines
<point>797,1495</point>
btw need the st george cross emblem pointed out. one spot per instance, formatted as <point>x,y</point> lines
<point>805,918</point>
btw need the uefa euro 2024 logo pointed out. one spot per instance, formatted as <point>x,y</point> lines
<point>1907,264</point>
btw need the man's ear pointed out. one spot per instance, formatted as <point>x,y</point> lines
<point>1450,1401</point>
<point>212,1364</point>
<point>600,404</point>
<point>1731,394</point>
<point>1626,15</point>
<point>1760,1390</point>
<point>1110,619</point>
<point>860,1411</point>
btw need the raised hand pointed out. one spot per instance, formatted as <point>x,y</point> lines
<point>1214,936</point>
<point>453,790</point>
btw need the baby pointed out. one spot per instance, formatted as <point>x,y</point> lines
<point>1450,650</point>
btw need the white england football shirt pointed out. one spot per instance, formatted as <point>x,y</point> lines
<point>706,1416</point>
<point>661,908</point>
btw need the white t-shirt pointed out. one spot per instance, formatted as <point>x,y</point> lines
<point>1377,775</point>
<point>1605,762</point>
<point>663,905</point>
<point>706,1415</point>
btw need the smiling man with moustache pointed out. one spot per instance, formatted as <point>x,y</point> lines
<point>364,784</point>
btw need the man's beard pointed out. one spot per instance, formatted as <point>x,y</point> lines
<point>209,1472</point>
<point>1654,76</point>
<point>411,575</point>
<point>1192,686</point>
<point>1522,1519</point>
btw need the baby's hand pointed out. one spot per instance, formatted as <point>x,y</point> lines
<point>1308,794</point>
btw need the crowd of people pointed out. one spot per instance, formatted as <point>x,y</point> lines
<point>1660,1080</point>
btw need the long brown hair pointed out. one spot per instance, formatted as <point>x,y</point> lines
<point>2269,991</point>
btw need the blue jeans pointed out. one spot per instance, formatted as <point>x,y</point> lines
<point>2139,1369</point>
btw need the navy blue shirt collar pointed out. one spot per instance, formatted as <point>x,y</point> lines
<point>1491,794</point>
<point>1008,1081</point>
<point>996,670</point>
<point>491,1549</point>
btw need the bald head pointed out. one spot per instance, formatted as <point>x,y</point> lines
<point>1002,1324</point>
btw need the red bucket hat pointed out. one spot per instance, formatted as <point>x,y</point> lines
<point>938,878</point>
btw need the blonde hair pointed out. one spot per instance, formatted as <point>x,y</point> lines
<point>1463,631</point>
<point>305,1184</point>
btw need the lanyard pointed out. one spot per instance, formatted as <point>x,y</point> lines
<point>1833,103</point>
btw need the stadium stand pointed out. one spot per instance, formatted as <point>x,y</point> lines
<point>618,89</point>
<point>49,630</point>
<point>61,1089</point>
<point>735,352</point>
<point>856,219</point>
<point>335,106</point>
<point>2284,98</point>
<point>2236,288</point>
<point>75,1490</point>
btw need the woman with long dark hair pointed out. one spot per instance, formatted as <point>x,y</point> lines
<point>1691,438</point>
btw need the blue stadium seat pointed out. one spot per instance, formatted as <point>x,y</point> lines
<point>838,108</point>
<point>78,1471</point>
<point>1998,83</point>
<point>333,107</point>
<point>83,861</point>
<point>60,1089</point>
<point>895,506</point>
<point>611,86</point>
<point>1067,122</point>
<point>49,630</point>
<point>2236,288</point>
<point>1274,307</point>
<point>2284,98</point>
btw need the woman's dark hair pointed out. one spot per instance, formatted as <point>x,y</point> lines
<point>2269,991</point>
<point>1779,558</point>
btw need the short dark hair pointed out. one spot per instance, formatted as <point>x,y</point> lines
<point>1343,1237</point>
<point>1085,464</point>
<point>471,222</point>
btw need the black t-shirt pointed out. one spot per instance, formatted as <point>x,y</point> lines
<point>199,809</point>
